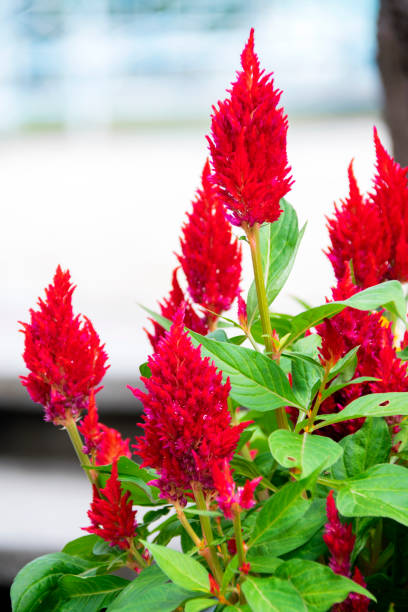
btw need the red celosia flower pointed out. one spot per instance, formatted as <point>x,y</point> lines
<point>168,309</point>
<point>242,313</point>
<point>356,234</point>
<point>248,145</point>
<point>103,443</point>
<point>112,446</point>
<point>231,498</point>
<point>340,541</point>
<point>211,256</point>
<point>376,357</point>
<point>63,353</point>
<point>214,586</point>
<point>372,232</point>
<point>111,513</point>
<point>187,424</point>
<point>391,198</point>
<point>245,568</point>
<point>90,429</point>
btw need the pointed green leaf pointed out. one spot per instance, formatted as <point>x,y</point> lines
<point>318,586</point>
<point>382,490</point>
<point>181,569</point>
<point>373,405</point>
<point>256,381</point>
<point>279,243</point>
<point>90,594</point>
<point>272,595</point>
<point>196,605</point>
<point>305,451</point>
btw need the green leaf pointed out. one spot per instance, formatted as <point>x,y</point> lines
<point>134,479</point>
<point>90,594</point>
<point>279,321</point>
<point>373,405</point>
<point>39,577</point>
<point>281,511</point>
<point>366,447</point>
<point>256,381</point>
<point>149,592</point>
<point>382,490</point>
<point>249,469</point>
<point>290,539</point>
<point>305,451</point>
<point>166,323</point>
<point>336,386</point>
<point>83,547</point>
<point>263,564</point>
<point>388,294</point>
<point>272,595</point>
<point>181,569</point>
<point>279,243</point>
<point>318,586</point>
<point>145,370</point>
<point>345,366</point>
<point>196,605</point>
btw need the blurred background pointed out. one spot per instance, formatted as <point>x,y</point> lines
<point>104,107</point>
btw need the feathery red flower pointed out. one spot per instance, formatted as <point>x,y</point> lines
<point>372,232</point>
<point>230,497</point>
<point>63,353</point>
<point>340,540</point>
<point>168,309</point>
<point>248,145</point>
<point>356,234</point>
<point>111,513</point>
<point>376,357</point>
<point>391,198</point>
<point>187,424</point>
<point>104,444</point>
<point>211,255</point>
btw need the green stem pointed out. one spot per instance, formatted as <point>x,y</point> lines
<point>77,443</point>
<point>207,531</point>
<point>318,401</point>
<point>238,537</point>
<point>137,556</point>
<point>328,482</point>
<point>252,233</point>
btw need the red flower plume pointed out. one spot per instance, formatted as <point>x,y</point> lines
<point>63,353</point>
<point>356,234</point>
<point>211,256</point>
<point>111,513</point>
<point>248,145</point>
<point>187,424</point>
<point>168,309</point>
<point>230,496</point>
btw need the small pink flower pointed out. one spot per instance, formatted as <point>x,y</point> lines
<point>230,497</point>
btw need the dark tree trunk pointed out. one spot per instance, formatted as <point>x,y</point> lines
<point>393,65</point>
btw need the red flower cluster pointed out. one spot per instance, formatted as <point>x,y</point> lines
<point>248,145</point>
<point>372,231</point>
<point>340,542</point>
<point>168,309</point>
<point>230,498</point>
<point>111,513</point>
<point>211,256</point>
<point>63,353</point>
<point>187,424</point>
<point>376,357</point>
<point>104,444</point>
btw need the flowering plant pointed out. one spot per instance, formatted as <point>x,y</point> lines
<point>273,457</point>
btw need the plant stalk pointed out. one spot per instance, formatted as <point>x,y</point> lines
<point>252,233</point>
<point>72,430</point>
<point>207,531</point>
<point>238,537</point>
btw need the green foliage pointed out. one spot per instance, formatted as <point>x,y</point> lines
<point>181,569</point>
<point>279,243</point>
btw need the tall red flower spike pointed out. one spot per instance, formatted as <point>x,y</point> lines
<point>187,424</point>
<point>391,198</point>
<point>111,513</point>
<point>356,234</point>
<point>376,357</point>
<point>63,353</point>
<point>248,145</point>
<point>211,256</point>
<point>104,444</point>
<point>168,309</point>
<point>230,497</point>
<point>372,232</point>
<point>340,541</point>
